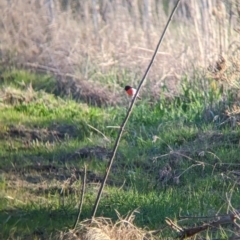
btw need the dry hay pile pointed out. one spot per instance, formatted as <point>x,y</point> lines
<point>104,229</point>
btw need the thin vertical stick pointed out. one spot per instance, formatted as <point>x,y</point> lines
<point>129,113</point>
<point>82,197</point>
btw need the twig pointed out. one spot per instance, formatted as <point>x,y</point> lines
<point>82,197</point>
<point>189,232</point>
<point>129,113</point>
<point>105,137</point>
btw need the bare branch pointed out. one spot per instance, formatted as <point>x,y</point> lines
<point>189,232</point>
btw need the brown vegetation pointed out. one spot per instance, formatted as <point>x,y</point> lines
<point>105,229</point>
<point>87,39</point>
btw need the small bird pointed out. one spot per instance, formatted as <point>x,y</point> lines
<point>131,91</point>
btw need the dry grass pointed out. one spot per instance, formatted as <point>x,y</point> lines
<point>104,229</point>
<point>10,95</point>
<point>226,73</point>
<point>88,39</point>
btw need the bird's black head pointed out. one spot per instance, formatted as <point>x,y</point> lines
<point>127,88</point>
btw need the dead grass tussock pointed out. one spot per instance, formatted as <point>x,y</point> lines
<point>233,115</point>
<point>87,90</point>
<point>225,71</point>
<point>13,96</point>
<point>104,229</point>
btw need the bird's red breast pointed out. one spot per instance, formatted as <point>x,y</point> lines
<point>130,91</point>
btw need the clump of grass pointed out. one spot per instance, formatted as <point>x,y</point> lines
<point>21,78</point>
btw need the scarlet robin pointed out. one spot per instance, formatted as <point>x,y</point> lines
<point>131,91</point>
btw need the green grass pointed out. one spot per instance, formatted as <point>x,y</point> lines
<point>172,160</point>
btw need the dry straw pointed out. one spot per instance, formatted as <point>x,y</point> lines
<point>104,229</point>
<point>88,38</point>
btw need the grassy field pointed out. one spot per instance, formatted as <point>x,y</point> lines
<point>178,158</point>
<point>63,68</point>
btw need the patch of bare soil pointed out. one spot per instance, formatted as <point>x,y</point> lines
<point>96,152</point>
<point>54,133</point>
<point>40,177</point>
<point>48,179</point>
